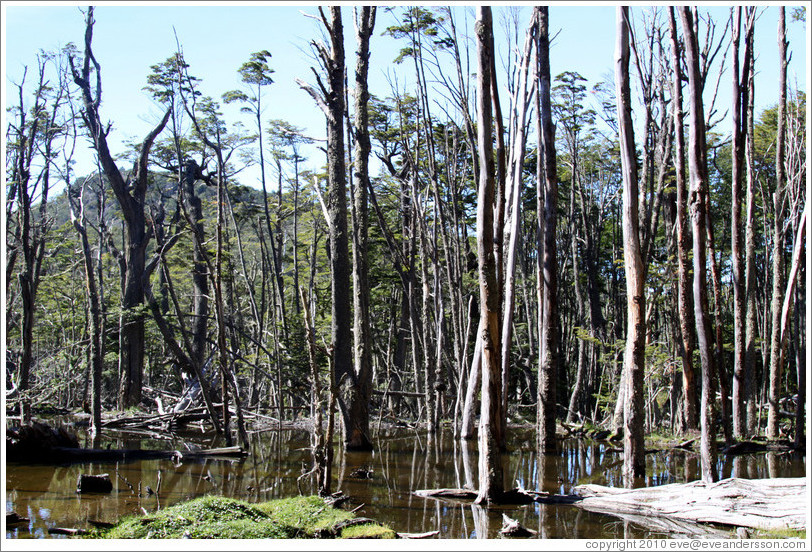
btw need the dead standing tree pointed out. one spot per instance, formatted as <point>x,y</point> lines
<point>330,100</point>
<point>778,231</point>
<point>698,197</point>
<point>547,269</point>
<point>131,196</point>
<point>634,465</point>
<point>740,110</point>
<point>684,294</point>
<point>491,483</point>
<point>359,405</point>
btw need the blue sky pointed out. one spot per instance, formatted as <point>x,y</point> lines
<point>216,39</point>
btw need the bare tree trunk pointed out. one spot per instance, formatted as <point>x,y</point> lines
<point>779,200</point>
<point>740,112</point>
<point>344,379</point>
<point>131,196</point>
<point>93,303</point>
<point>358,436</point>
<point>547,270</point>
<point>200,282</point>
<point>634,465</point>
<point>26,141</point>
<point>698,198</point>
<point>491,480</point>
<point>685,295</point>
<point>474,383</point>
<point>517,147</point>
<point>749,262</point>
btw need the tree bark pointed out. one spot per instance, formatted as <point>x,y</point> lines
<point>331,102</point>
<point>749,260</point>
<point>634,465</point>
<point>685,294</point>
<point>779,200</point>
<point>547,270</point>
<point>739,113</point>
<point>697,160</point>
<point>517,149</point>
<point>491,483</point>
<point>358,406</point>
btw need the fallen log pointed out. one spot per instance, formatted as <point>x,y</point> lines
<point>778,503</point>
<point>453,494</point>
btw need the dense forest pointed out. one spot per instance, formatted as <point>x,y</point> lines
<point>495,246</point>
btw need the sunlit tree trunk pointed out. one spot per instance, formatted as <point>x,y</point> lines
<point>779,200</point>
<point>739,113</point>
<point>750,261</point>
<point>358,437</point>
<point>547,270</point>
<point>491,484</point>
<point>685,295</point>
<point>634,465</point>
<point>344,379</point>
<point>697,161</point>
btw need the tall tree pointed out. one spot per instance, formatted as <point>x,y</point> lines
<point>131,195</point>
<point>684,293</point>
<point>331,102</point>
<point>546,224</point>
<point>359,400</point>
<point>698,168</point>
<point>634,465</point>
<point>778,233</point>
<point>739,112</point>
<point>518,123</point>
<point>491,479</point>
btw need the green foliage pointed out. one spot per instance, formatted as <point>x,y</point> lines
<point>417,23</point>
<point>256,69</point>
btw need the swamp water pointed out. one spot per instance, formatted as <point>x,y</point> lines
<point>402,462</point>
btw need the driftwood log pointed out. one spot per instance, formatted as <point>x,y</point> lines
<point>512,496</point>
<point>426,535</point>
<point>778,503</point>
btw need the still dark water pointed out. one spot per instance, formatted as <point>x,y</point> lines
<point>403,461</point>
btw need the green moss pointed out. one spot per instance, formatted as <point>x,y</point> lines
<point>212,517</point>
<point>367,531</point>
<point>309,513</point>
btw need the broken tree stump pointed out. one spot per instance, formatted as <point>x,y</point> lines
<point>778,503</point>
<point>512,528</point>
<point>94,483</point>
